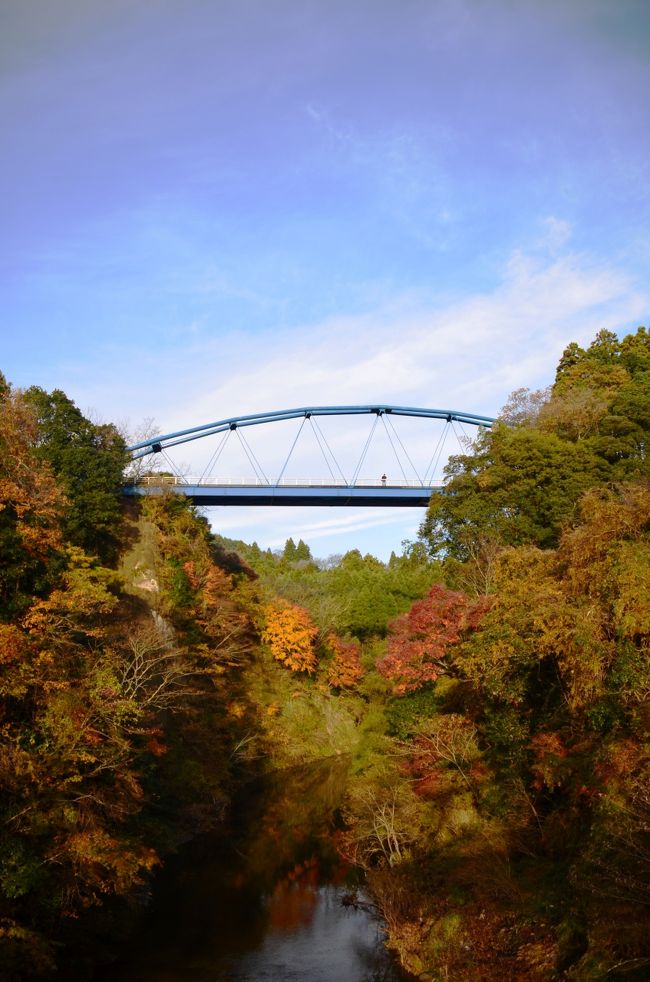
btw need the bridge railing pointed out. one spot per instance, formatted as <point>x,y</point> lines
<point>171,480</point>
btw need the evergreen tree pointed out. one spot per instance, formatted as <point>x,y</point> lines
<point>89,460</point>
<point>302,551</point>
<point>289,551</point>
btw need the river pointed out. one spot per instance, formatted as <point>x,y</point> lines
<point>264,898</point>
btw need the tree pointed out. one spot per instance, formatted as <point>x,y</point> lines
<point>289,551</point>
<point>522,481</point>
<point>605,348</point>
<point>420,641</point>
<point>32,507</point>
<point>344,671</point>
<point>89,459</point>
<point>137,469</point>
<point>303,551</point>
<point>290,634</point>
<point>292,553</point>
<point>69,749</point>
<point>519,486</point>
<point>523,407</point>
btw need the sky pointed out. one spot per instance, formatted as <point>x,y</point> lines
<point>220,207</point>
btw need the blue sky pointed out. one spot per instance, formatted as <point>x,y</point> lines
<point>213,207</point>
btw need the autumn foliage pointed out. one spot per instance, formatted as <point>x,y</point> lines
<point>344,670</point>
<point>419,641</point>
<point>31,507</point>
<point>97,692</point>
<point>290,634</point>
<point>508,770</point>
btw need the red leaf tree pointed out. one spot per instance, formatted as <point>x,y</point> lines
<point>419,640</point>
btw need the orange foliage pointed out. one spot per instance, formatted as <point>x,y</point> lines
<point>345,668</point>
<point>216,585</point>
<point>290,634</point>
<point>192,576</point>
<point>218,613</point>
<point>549,767</point>
<point>156,747</point>
<point>100,864</point>
<point>28,487</point>
<point>12,644</point>
<point>16,654</point>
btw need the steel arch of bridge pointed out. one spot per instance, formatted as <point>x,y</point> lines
<point>158,443</point>
<point>278,493</point>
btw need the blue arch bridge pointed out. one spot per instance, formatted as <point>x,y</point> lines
<point>408,485</point>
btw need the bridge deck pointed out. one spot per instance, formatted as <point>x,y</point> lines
<point>366,495</point>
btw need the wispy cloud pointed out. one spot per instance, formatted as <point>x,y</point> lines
<point>331,528</point>
<point>465,354</point>
<point>461,355</point>
<point>468,354</point>
<point>404,170</point>
<point>557,232</point>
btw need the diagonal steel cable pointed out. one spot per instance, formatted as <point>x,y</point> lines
<point>172,465</point>
<point>462,441</point>
<point>466,435</point>
<point>255,464</point>
<point>390,440</point>
<point>406,454</point>
<point>318,433</point>
<point>435,456</point>
<point>365,451</point>
<point>320,447</point>
<point>284,466</point>
<point>215,457</point>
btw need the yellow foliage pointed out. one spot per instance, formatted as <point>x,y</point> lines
<point>16,661</point>
<point>27,485</point>
<point>631,576</point>
<point>102,863</point>
<point>236,709</point>
<point>290,634</point>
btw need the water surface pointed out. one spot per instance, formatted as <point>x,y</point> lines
<point>265,898</point>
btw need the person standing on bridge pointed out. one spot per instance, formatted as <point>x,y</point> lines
<point>383,480</point>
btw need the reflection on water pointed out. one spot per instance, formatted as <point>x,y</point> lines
<point>262,899</point>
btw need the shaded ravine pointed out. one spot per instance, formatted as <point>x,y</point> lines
<point>265,898</point>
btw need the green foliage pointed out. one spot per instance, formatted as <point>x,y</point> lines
<point>357,596</point>
<point>501,812</point>
<point>89,460</point>
<point>506,733</point>
<point>522,481</point>
<point>21,870</point>
<point>181,594</point>
<point>406,714</point>
<point>520,486</point>
<point>293,553</point>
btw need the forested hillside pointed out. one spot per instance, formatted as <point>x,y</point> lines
<point>114,739</point>
<point>523,683</point>
<point>489,685</point>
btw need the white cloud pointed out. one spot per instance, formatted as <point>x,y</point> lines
<point>465,355</point>
<point>557,232</point>
<point>333,530</point>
